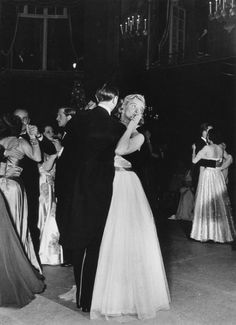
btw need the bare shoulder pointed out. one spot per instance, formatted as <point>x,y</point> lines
<point>23,143</point>
<point>137,135</point>
<point>9,142</point>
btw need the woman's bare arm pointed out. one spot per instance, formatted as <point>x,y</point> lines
<point>31,150</point>
<point>128,144</point>
<point>228,160</point>
<point>200,155</point>
<point>48,164</point>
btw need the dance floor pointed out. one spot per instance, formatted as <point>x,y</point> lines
<point>202,281</point>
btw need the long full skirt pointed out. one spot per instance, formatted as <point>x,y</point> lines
<point>186,204</point>
<point>18,280</point>
<point>50,251</point>
<point>16,201</point>
<point>212,213</point>
<point>130,280</point>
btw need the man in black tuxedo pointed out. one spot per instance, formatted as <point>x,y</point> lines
<point>198,145</point>
<point>96,143</point>
<point>30,174</point>
<point>65,171</point>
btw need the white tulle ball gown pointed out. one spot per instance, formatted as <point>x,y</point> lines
<point>130,281</point>
<point>212,213</point>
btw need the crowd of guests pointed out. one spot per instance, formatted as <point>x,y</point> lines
<point>80,197</point>
<point>86,197</point>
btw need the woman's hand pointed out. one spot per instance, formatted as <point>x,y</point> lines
<point>133,124</point>
<point>32,131</point>
<point>57,144</point>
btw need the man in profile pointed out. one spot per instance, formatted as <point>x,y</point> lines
<point>65,171</point>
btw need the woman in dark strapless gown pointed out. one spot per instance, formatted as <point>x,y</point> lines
<point>18,280</point>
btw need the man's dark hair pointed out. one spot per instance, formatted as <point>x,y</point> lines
<point>69,111</point>
<point>106,93</point>
<point>214,136</point>
<point>204,126</point>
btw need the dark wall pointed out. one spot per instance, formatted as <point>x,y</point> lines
<point>101,43</point>
<point>189,95</point>
<point>41,94</point>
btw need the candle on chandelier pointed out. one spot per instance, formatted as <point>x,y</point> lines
<point>128,22</point>
<point>145,24</point>
<point>138,21</point>
<point>126,26</point>
<point>132,21</point>
<point>232,5</point>
<point>121,29</point>
<point>216,5</point>
<point>210,8</point>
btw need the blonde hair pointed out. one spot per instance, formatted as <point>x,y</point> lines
<point>128,99</point>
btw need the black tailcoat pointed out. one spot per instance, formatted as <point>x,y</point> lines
<point>66,166</point>
<point>97,138</point>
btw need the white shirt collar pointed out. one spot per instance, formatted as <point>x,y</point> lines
<point>107,109</point>
<point>204,139</point>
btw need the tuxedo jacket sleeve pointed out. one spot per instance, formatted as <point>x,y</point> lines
<point>47,146</point>
<point>200,144</point>
<point>2,157</point>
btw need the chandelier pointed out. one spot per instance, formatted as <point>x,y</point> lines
<point>222,10</point>
<point>134,27</point>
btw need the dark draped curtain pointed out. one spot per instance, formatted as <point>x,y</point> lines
<point>22,38</point>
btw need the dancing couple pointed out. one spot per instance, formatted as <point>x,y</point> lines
<point>20,271</point>
<point>118,267</point>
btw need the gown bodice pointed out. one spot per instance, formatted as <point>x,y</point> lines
<point>120,162</point>
<point>11,167</point>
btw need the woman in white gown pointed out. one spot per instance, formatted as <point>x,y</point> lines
<point>212,213</point>
<point>130,280</point>
<point>11,185</point>
<point>50,251</point>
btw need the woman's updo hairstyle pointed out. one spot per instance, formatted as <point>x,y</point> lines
<point>128,99</point>
<point>10,125</point>
<point>214,136</point>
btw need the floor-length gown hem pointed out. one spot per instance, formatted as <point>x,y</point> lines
<point>130,278</point>
<point>126,316</point>
<point>212,213</point>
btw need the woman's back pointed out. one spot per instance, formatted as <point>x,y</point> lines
<point>213,152</point>
<point>11,166</point>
